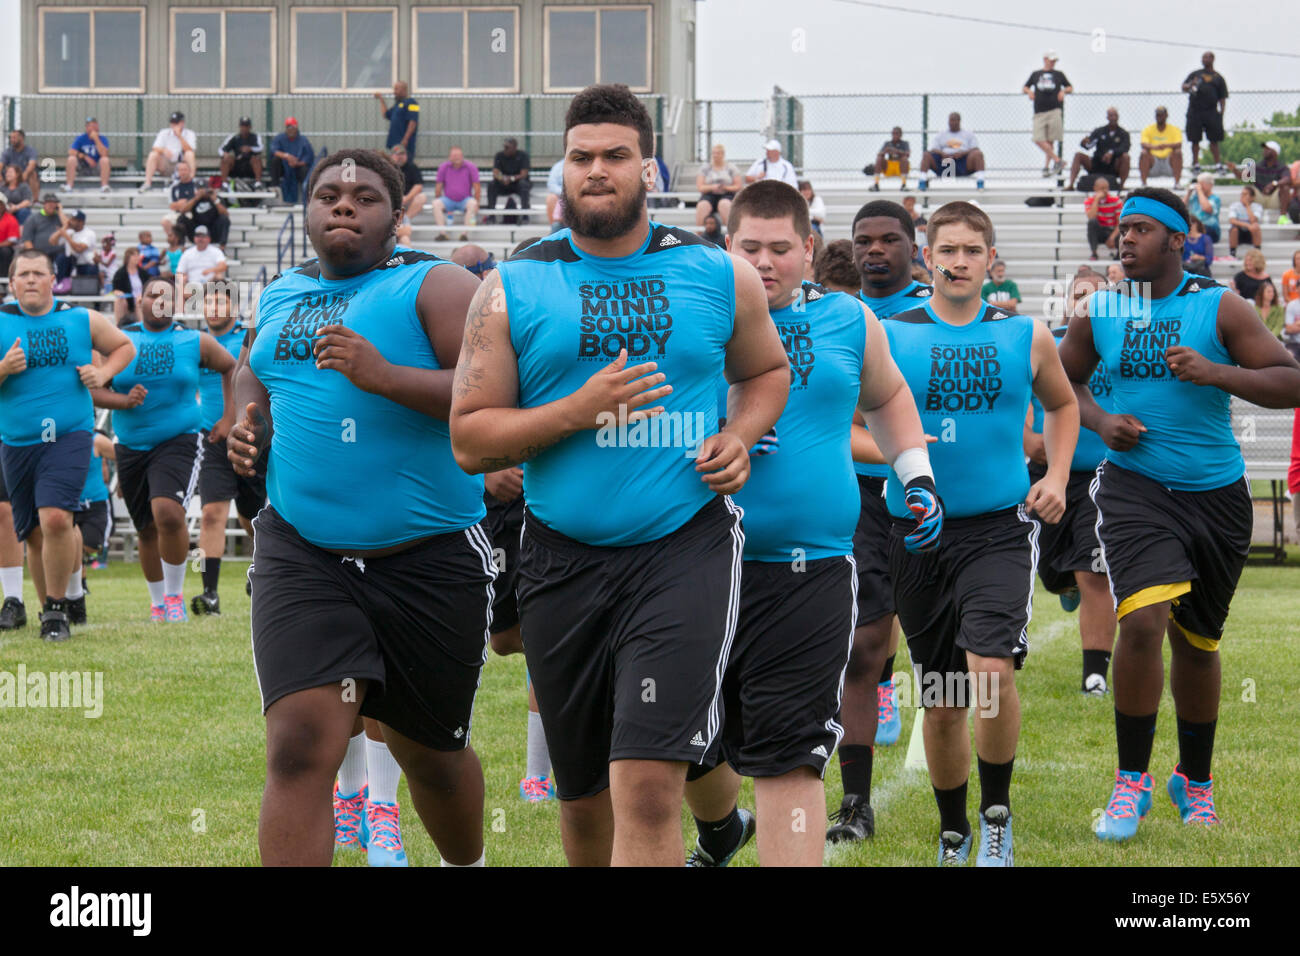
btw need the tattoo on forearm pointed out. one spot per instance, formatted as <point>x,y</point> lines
<point>509,461</point>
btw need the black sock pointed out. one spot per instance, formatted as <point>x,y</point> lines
<point>719,837</point>
<point>855,769</point>
<point>1195,748</point>
<point>995,783</point>
<point>952,809</point>
<point>1135,735</point>
<point>211,573</point>
<point>887,672</point>
<point>1095,662</point>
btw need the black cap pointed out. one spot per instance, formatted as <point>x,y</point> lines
<point>177,117</point>
<point>78,214</point>
<point>245,121</point>
<point>91,119</point>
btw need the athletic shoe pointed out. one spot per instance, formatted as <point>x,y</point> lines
<point>954,849</point>
<point>1094,685</point>
<point>1047,171</point>
<point>874,188</point>
<point>889,724</point>
<point>350,820</point>
<point>106,188</point>
<point>143,189</point>
<point>157,614</point>
<point>853,821</point>
<point>1196,168</point>
<point>1130,802</point>
<point>13,614</point>
<point>174,609</point>
<point>384,835</point>
<point>1058,166</point>
<point>1070,600</point>
<point>995,837</point>
<point>1193,801</point>
<point>1284,220</point>
<point>54,625</point>
<point>701,858</point>
<point>206,603</point>
<point>536,789</point>
<point>77,610</point>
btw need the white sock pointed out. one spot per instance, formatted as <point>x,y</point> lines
<point>539,758</point>
<point>155,593</point>
<point>173,579</point>
<point>382,771</point>
<point>12,581</point>
<point>352,772</point>
<point>74,586</point>
<point>481,861</point>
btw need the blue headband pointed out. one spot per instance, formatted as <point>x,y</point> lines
<point>1165,215</point>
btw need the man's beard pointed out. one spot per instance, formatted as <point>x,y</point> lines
<point>607,224</point>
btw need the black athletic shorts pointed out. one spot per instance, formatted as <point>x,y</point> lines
<point>626,646</point>
<point>414,624</point>
<point>45,475</point>
<point>95,519</point>
<point>1071,544</point>
<point>503,524</point>
<point>871,552</point>
<point>1187,547</point>
<point>1207,122</point>
<point>4,488</point>
<point>218,481</point>
<point>168,470</point>
<point>785,674</point>
<point>973,593</point>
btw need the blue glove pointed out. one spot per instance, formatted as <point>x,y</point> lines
<point>925,503</point>
<point>767,445</point>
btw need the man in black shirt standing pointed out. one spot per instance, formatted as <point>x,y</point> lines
<point>1207,95</point>
<point>510,176</point>
<point>1047,88</point>
<point>1110,146</point>
<point>241,153</point>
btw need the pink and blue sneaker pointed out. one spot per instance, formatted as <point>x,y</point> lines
<point>384,835</point>
<point>174,609</point>
<point>157,614</point>
<point>350,819</point>
<point>1129,803</point>
<point>889,723</point>
<point>536,789</point>
<point>1193,801</point>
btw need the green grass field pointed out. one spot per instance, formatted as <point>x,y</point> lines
<point>172,772</point>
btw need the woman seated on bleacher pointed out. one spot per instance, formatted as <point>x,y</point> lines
<point>18,195</point>
<point>127,283</point>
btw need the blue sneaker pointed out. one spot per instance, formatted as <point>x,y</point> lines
<point>536,789</point>
<point>1130,802</point>
<point>888,722</point>
<point>384,837</point>
<point>954,849</point>
<point>1193,801</point>
<point>701,858</point>
<point>1070,600</point>
<point>995,837</point>
<point>349,820</point>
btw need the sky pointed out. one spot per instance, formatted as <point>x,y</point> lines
<point>744,47</point>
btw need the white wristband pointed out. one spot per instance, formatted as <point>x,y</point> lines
<point>913,463</point>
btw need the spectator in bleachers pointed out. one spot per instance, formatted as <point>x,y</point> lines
<point>127,282</point>
<point>149,254</point>
<point>809,265</point>
<point>78,242</point>
<point>412,185</point>
<point>197,204</point>
<point>457,189</point>
<point>772,166</point>
<point>1272,181</point>
<point>712,230</point>
<point>106,261</point>
<point>954,152</point>
<point>18,195</point>
<point>1245,217</point>
<point>10,233</point>
<point>555,196</point>
<point>200,264</point>
<point>999,290</point>
<point>510,170</point>
<point>835,270</point>
<point>1198,249</point>
<point>1269,309</point>
<point>661,185</point>
<point>40,227</point>
<point>19,153</point>
<point>1102,209</point>
<point>241,153</point>
<point>1291,328</point>
<point>816,206</point>
<point>1047,88</point>
<point>1162,149</point>
<point>89,152</point>
<point>1114,274</point>
<point>172,257</point>
<point>718,181</point>
<point>1253,274</point>
<point>894,159</point>
<point>1204,205</point>
<point>475,259</point>
<point>292,159</point>
<point>918,223</point>
<point>403,118</point>
<point>172,144</point>
<point>1207,94</point>
<point>1110,145</point>
<point>1291,280</point>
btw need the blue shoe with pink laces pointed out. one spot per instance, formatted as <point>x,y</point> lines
<point>889,724</point>
<point>1193,801</point>
<point>350,819</point>
<point>1130,801</point>
<point>536,789</point>
<point>174,609</point>
<point>384,844</point>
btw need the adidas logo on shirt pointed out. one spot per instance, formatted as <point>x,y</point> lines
<point>395,261</point>
<point>669,240</point>
<point>697,740</point>
<point>820,751</point>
